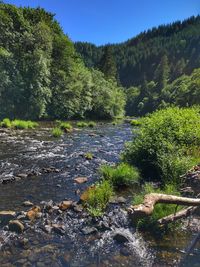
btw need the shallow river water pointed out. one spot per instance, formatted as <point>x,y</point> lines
<point>51,165</point>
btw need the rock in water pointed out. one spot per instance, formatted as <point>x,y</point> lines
<point>6,216</point>
<point>16,226</point>
<point>64,205</point>
<point>81,180</point>
<point>121,237</point>
<point>27,204</point>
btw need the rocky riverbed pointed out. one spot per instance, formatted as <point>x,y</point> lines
<point>42,219</point>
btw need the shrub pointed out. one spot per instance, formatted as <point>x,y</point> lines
<point>135,123</point>
<point>160,210</point>
<point>82,124</point>
<point>122,174</point>
<point>66,126</point>
<point>57,132</point>
<point>99,197</point>
<point>20,124</point>
<point>164,145</point>
<point>6,123</point>
<point>91,124</point>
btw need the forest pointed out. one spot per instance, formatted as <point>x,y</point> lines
<point>158,68</point>
<point>42,75</point>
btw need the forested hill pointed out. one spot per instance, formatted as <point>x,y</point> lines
<point>138,58</point>
<point>42,75</point>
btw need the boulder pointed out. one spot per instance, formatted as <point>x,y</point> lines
<point>66,204</point>
<point>16,226</point>
<point>27,204</point>
<point>33,213</point>
<point>89,230</point>
<point>121,237</point>
<point>6,216</point>
<point>81,180</point>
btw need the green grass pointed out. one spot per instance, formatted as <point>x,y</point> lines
<point>99,197</point>
<point>56,132</point>
<point>122,174</point>
<point>82,124</point>
<point>160,210</point>
<point>135,123</point>
<point>66,126</point>
<point>88,156</point>
<point>18,124</point>
<point>6,123</point>
<point>91,124</point>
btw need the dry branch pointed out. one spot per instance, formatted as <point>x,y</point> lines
<point>150,200</point>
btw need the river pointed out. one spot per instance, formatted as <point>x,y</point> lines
<point>36,167</point>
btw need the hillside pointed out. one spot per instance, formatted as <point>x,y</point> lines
<point>139,57</point>
<point>41,74</point>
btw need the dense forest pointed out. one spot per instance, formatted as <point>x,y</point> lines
<point>45,76</point>
<point>156,67</point>
<point>42,75</point>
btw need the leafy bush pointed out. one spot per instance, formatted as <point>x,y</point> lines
<point>82,124</point>
<point>99,197</point>
<point>6,123</point>
<point>20,124</point>
<point>135,123</point>
<point>57,132</point>
<point>122,174</point>
<point>66,126</point>
<point>165,144</point>
<point>160,210</point>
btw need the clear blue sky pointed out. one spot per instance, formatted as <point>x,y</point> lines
<point>112,21</point>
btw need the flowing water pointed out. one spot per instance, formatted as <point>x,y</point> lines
<point>50,166</point>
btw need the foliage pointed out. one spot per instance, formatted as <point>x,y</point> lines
<point>18,124</point>
<point>164,147</point>
<point>57,132</point>
<point>66,126</point>
<point>6,123</point>
<point>160,210</point>
<point>92,124</point>
<point>122,174</point>
<point>135,123</point>
<point>82,124</point>
<point>89,156</point>
<point>98,198</point>
<point>140,56</point>
<point>42,75</point>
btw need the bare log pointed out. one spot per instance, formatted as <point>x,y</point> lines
<point>178,215</point>
<point>150,200</point>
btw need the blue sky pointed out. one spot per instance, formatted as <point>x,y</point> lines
<point>112,21</point>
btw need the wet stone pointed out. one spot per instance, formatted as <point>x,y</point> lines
<point>121,237</point>
<point>89,230</point>
<point>16,226</point>
<point>6,216</point>
<point>27,204</point>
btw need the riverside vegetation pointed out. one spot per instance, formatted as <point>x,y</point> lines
<point>65,82</point>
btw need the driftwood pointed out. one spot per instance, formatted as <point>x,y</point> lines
<point>150,200</point>
<point>178,215</point>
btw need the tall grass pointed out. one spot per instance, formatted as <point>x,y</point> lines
<point>119,175</point>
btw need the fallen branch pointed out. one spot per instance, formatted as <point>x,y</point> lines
<point>178,215</point>
<point>150,200</point>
